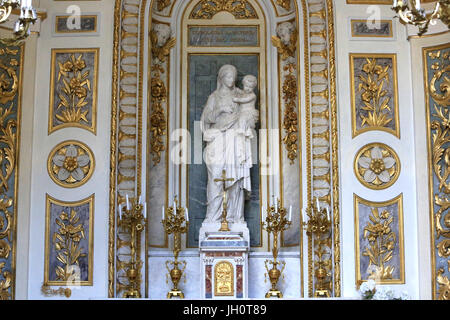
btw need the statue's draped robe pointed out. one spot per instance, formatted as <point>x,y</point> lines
<point>223,150</point>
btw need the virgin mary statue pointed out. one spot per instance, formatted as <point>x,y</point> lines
<point>220,121</point>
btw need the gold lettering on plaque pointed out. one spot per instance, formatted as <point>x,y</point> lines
<point>224,279</point>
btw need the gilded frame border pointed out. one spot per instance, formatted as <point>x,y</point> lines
<point>49,200</point>
<point>93,128</point>
<point>396,119</point>
<point>397,200</point>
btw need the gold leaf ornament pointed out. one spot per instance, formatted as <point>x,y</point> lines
<point>71,164</point>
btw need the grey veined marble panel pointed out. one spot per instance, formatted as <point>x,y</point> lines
<point>223,36</point>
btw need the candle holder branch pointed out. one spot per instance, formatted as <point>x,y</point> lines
<point>318,227</point>
<point>132,221</point>
<point>175,223</point>
<point>275,223</point>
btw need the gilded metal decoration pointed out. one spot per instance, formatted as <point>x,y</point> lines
<point>162,43</point>
<point>71,164</point>
<point>290,120</point>
<point>11,67</point>
<point>69,242</point>
<point>379,240</point>
<point>176,222</point>
<point>377,166</point>
<point>374,93</point>
<point>275,223</point>
<point>73,89</point>
<point>318,229</point>
<point>132,221</point>
<point>240,9</point>
<point>286,43</point>
<point>437,97</point>
<point>381,243</point>
<point>223,279</point>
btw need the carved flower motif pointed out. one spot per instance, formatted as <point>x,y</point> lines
<point>377,166</point>
<point>70,164</point>
<point>158,89</point>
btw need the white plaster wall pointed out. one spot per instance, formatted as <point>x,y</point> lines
<point>348,147</point>
<point>42,144</point>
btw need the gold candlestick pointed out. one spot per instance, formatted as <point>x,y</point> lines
<point>173,223</point>
<point>275,223</point>
<point>132,220</point>
<point>319,224</point>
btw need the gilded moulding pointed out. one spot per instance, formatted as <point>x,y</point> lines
<point>335,153</point>
<point>240,9</point>
<point>11,68</point>
<point>69,242</point>
<point>379,241</point>
<point>374,93</point>
<point>113,145</point>
<point>73,89</point>
<point>436,62</point>
<point>70,164</point>
<point>377,166</point>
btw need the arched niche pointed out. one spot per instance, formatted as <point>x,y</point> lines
<point>303,155</point>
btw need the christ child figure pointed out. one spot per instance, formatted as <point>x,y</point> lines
<point>248,115</point>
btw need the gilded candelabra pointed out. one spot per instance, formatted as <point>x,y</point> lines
<point>132,220</point>
<point>27,17</point>
<point>410,12</point>
<point>319,224</point>
<point>275,222</point>
<point>175,221</point>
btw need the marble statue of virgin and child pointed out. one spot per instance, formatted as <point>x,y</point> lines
<point>228,122</point>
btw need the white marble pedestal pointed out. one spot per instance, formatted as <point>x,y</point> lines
<point>224,261</point>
